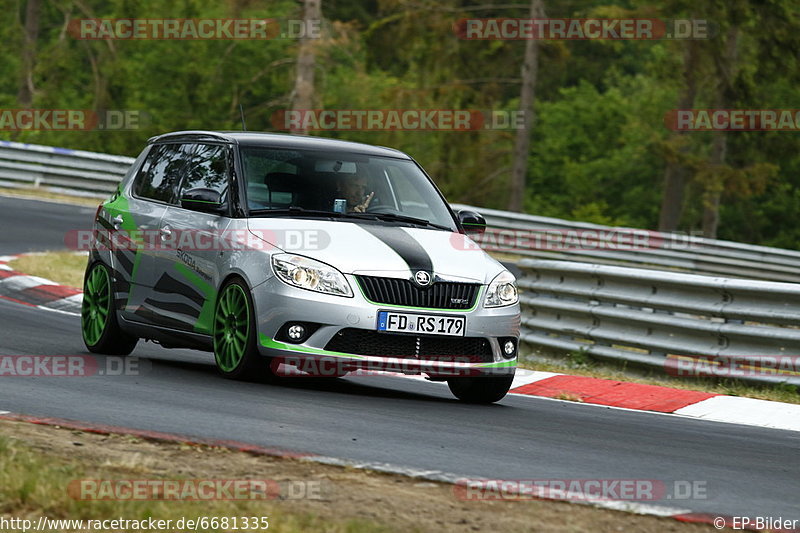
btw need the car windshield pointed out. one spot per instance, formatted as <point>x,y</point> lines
<point>341,185</point>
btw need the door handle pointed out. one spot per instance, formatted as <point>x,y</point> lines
<point>117,221</point>
<point>165,232</point>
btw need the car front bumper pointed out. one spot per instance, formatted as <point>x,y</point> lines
<point>276,304</point>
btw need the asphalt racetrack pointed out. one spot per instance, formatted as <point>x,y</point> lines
<point>409,423</point>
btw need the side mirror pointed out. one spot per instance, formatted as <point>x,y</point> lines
<point>472,222</point>
<point>201,199</point>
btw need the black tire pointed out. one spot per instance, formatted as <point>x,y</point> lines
<point>480,389</point>
<point>99,326</point>
<point>249,364</point>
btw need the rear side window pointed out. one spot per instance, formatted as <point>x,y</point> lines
<point>161,173</point>
<point>207,169</point>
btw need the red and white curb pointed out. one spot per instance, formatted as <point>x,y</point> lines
<point>37,292</point>
<point>653,398</point>
<point>679,514</point>
<point>45,294</point>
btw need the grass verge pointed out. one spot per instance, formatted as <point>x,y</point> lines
<point>33,484</point>
<point>38,463</point>
<point>33,193</point>
<point>65,268</point>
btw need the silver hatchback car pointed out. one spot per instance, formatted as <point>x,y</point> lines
<point>298,256</point>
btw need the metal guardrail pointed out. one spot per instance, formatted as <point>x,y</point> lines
<point>36,165</point>
<point>656,250</point>
<point>97,173</point>
<point>585,297</point>
<point>649,318</point>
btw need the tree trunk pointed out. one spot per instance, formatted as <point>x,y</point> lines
<point>726,72</point>
<point>677,174</point>
<point>303,94</point>
<point>713,192</point>
<point>26,89</point>
<point>522,142</point>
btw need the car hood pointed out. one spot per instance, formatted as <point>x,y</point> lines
<point>380,249</point>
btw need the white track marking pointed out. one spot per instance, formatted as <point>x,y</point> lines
<point>526,377</point>
<point>41,281</point>
<point>17,282</point>
<point>749,411</point>
<point>70,313</point>
<point>70,303</point>
<point>20,283</point>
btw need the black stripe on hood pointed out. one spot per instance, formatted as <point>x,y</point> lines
<point>404,245</point>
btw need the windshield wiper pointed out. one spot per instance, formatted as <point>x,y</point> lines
<point>392,217</point>
<point>389,217</point>
<point>294,210</point>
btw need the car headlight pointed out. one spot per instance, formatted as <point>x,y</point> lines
<point>502,291</point>
<point>309,274</point>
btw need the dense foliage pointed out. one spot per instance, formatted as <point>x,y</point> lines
<point>599,146</point>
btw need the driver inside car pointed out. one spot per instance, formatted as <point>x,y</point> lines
<point>353,188</point>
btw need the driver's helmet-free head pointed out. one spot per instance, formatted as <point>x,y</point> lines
<point>352,188</point>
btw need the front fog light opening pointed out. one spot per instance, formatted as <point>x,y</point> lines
<point>296,332</point>
<point>508,346</point>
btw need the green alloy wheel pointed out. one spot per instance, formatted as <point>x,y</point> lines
<point>235,349</point>
<point>101,331</point>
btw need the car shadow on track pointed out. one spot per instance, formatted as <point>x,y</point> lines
<point>344,385</point>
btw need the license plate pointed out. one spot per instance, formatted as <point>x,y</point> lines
<point>454,326</point>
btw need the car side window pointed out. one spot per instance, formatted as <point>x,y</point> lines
<point>258,165</point>
<point>160,173</point>
<point>207,169</point>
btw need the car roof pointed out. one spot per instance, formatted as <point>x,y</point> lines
<point>277,140</point>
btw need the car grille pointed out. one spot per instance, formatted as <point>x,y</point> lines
<point>440,295</point>
<point>366,342</point>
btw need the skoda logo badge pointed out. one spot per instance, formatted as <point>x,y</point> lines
<point>422,278</point>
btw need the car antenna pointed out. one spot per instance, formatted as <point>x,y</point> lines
<point>241,112</point>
